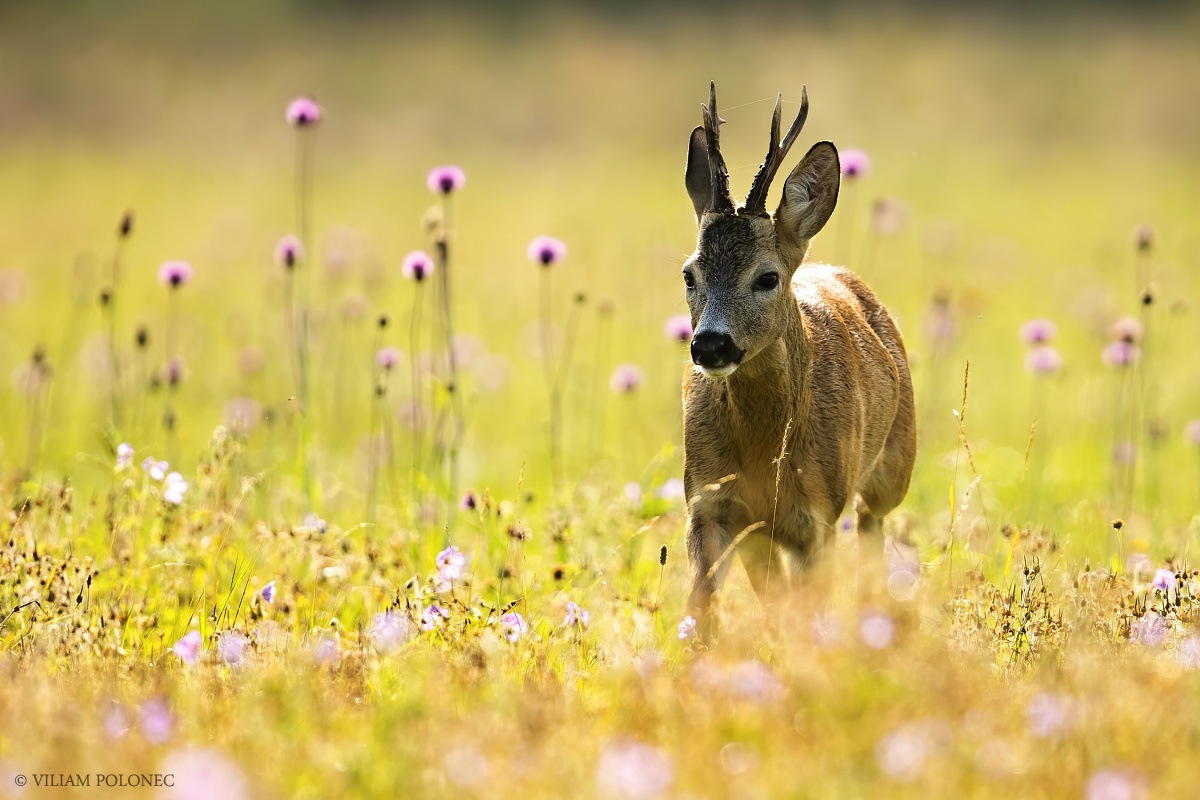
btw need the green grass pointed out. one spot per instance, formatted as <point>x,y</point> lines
<point>1024,152</point>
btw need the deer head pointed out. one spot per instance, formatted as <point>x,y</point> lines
<point>744,256</point>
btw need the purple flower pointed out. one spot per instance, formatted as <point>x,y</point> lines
<point>855,163</point>
<point>231,648</point>
<point>1164,580</point>
<point>687,628</point>
<point>303,111</point>
<point>635,770</point>
<point>1049,714</point>
<point>876,629</point>
<point>1150,630</point>
<point>672,489</point>
<point>1111,785</point>
<point>1128,330</point>
<point>678,328</point>
<point>326,651</point>
<point>188,648</point>
<point>1038,331</point>
<point>625,378</point>
<point>417,266</point>
<point>268,592</point>
<point>1043,359</point>
<point>1188,654</point>
<point>389,630</point>
<point>204,774</point>
<point>1120,353</point>
<point>157,469</point>
<point>124,455</point>
<point>388,357</point>
<point>450,563</point>
<point>174,487</point>
<point>155,720</point>
<point>546,250</point>
<point>513,626</point>
<point>174,274</point>
<point>444,180</point>
<point>576,616</point>
<point>1191,433</point>
<point>469,501</point>
<point>289,252</point>
<point>902,753</point>
<point>172,373</point>
<point>433,617</point>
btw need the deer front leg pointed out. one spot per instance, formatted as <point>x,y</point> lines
<point>706,543</point>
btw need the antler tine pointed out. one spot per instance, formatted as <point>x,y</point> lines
<point>756,200</point>
<point>721,201</point>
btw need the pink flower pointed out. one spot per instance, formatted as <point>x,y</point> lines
<point>1164,580</point>
<point>174,274</point>
<point>388,357</point>
<point>1128,330</point>
<point>855,163</point>
<point>679,328</point>
<point>188,648</point>
<point>446,179</point>
<point>289,252</point>
<point>1120,353</point>
<point>626,378</point>
<point>1043,359</point>
<point>155,720</point>
<point>204,774</point>
<point>546,250</point>
<point>417,265</point>
<point>231,648</point>
<point>1149,630</point>
<point>1049,714</point>
<point>1110,785</point>
<point>902,753</point>
<point>576,616</point>
<point>513,626</point>
<point>450,563</point>
<point>687,628</point>
<point>469,501</point>
<point>1191,433</point>
<point>303,111</point>
<point>877,629</point>
<point>1038,331</point>
<point>389,630</point>
<point>633,770</point>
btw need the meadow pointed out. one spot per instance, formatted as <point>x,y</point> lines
<point>265,535</point>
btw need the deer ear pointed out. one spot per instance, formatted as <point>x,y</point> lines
<point>810,193</point>
<point>698,175</point>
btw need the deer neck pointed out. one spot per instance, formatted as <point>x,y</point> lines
<point>767,391</point>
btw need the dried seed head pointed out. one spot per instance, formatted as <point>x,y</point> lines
<point>662,556</point>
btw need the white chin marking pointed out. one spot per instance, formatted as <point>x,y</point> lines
<point>723,372</point>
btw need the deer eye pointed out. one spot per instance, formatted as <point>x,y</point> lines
<point>689,280</point>
<point>767,281</point>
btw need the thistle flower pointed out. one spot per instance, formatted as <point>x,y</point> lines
<point>513,626</point>
<point>289,252</point>
<point>450,563</point>
<point>174,487</point>
<point>855,163</point>
<point>469,501</point>
<point>546,251</point>
<point>303,111</point>
<point>1043,359</point>
<point>174,274</point>
<point>172,373</point>
<point>417,266</point>
<point>124,455</point>
<point>687,628</point>
<point>188,648</point>
<point>388,358</point>
<point>268,592</point>
<point>678,328</point>
<point>1038,331</point>
<point>1164,580</point>
<point>576,616</point>
<point>154,718</point>
<point>445,179</point>
<point>625,379</point>
<point>1049,714</point>
<point>1128,329</point>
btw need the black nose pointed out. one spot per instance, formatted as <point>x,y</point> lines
<point>713,350</point>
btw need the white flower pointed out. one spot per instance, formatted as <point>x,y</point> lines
<point>174,487</point>
<point>124,455</point>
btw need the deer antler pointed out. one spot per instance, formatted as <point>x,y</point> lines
<point>756,201</point>
<point>721,201</point>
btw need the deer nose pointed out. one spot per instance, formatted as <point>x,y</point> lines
<point>713,350</point>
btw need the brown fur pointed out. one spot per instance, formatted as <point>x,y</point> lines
<point>823,362</point>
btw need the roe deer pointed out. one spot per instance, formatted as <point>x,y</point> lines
<point>822,366</point>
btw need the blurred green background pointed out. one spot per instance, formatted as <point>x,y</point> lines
<point>1022,147</point>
